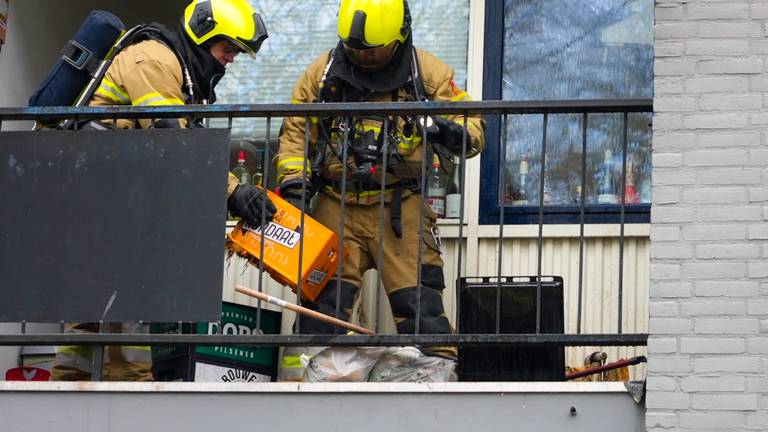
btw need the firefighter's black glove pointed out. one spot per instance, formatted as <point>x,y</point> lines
<point>447,133</point>
<point>290,190</point>
<point>247,203</point>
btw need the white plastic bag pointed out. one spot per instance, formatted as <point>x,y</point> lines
<point>409,364</point>
<point>342,364</point>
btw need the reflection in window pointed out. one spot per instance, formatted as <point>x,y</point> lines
<point>590,49</point>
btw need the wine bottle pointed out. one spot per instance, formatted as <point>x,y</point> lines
<point>240,171</point>
<point>453,194</point>
<point>606,189</point>
<point>435,190</point>
<point>522,194</point>
<point>258,175</point>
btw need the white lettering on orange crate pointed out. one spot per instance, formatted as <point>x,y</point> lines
<point>280,235</point>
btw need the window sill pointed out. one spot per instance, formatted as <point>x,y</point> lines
<point>449,228</point>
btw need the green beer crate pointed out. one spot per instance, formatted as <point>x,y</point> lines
<point>219,363</point>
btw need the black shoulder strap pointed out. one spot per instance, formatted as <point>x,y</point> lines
<point>416,90</point>
<point>328,64</point>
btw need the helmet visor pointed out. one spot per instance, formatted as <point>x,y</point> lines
<point>371,58</point>
<point>253,45</point>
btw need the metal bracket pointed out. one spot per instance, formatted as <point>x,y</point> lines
<point>81,54</point>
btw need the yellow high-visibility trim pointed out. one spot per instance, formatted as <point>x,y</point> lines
<point>363,194</point>
<point>296,163</point>
<point>292,362</point>
<point>156,99</point>
<point>139,347</point>
<point>463,96</point>
<point>113,92</point>
<point>404,143</point>
<point>408,144</point>
<point>77,350</point>
<point>107,94</point>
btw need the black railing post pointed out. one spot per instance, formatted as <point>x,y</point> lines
<point>503,198</point>
<point>342,212</point>
<point>303,209</point>
<point>423,196</point>
<point>97,360</point>
<point>264,182</point>
<point>460,241</point>
<point>582,205</point>
<point>380,252</point>
<point>540,238</point>
<point>621,226</point>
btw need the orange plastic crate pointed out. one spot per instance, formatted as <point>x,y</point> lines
<point>281,249</point>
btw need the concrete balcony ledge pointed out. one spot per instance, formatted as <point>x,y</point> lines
<point>370,407</point>
<point>326,387</point>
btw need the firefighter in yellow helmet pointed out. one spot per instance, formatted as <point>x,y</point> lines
<point>375,61</point>
<point>162,66</point>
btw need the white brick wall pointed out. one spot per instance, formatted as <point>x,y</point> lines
<point>708,347</point>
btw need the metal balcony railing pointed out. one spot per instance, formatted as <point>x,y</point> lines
<point>492,110</point>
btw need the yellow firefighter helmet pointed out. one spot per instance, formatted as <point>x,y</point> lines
<point>235,20</point>
<point>365,24</point>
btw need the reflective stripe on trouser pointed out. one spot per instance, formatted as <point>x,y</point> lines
<point>127,363</point>
<point>362,229</point>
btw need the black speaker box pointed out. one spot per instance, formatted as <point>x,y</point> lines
<point>516,297</point>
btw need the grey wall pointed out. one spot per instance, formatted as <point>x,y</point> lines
<point>708,351</point>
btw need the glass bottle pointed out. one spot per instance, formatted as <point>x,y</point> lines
<point>630,190</point>
<point>606,190</point>
<point>522,194</point>
<point>547,192</point>
<point>435,190</point>
<point>240,171</point>
<point>258,175</point>
<point>453,194</point>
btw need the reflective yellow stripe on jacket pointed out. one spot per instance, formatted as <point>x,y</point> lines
<point>361,194</point>
<point>137,353</point>
<point>295,164</point>
<point>156,99</point>
<point>461,97</point>
<point>404,143</point>
<point>113,92</point>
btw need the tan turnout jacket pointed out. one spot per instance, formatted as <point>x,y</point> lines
<point>439,86</point>
<point>145,74</point>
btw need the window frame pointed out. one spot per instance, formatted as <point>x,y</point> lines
<point>490,213</point>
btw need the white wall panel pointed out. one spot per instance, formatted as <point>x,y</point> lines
<point>600,287</point>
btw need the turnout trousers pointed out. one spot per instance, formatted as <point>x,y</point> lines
<point>121,363</point>
<point>399,273</point>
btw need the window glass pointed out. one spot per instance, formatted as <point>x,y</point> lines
<point>587,49</point>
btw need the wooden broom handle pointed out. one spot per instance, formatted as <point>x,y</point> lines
<point>301,310</point>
